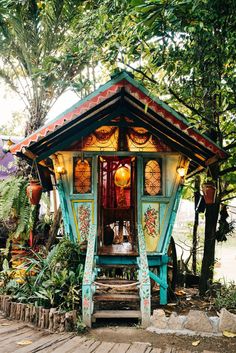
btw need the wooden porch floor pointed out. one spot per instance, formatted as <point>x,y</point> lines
<point>14,334</point>
<point>124,249</point>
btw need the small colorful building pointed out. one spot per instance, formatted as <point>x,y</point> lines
<point>119,158</point>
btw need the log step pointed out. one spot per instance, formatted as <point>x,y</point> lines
<point>116,297</point>
<point>117,314</point>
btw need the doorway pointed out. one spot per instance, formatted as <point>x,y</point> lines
<point>117,205</point>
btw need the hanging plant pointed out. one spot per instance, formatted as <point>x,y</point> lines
<point>209,192</point>
<point>34,191</point>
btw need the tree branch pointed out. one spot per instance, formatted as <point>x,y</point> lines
<point>140,72</point>
<point>231,145</point>
<point>194,110</point>
<point>227,170</point>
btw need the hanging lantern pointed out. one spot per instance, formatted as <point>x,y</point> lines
<point>34,191</point>
<point>122,177</point>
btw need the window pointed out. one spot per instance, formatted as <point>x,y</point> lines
<point>82,183</point>
<point>152,177</point>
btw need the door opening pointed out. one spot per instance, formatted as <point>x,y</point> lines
<point>117,205</point>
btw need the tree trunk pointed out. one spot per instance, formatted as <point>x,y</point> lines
<point>208,260</point>
<point>195,226</point>
<point>54,229</point>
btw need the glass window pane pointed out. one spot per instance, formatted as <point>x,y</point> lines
<point>82,176</point>
<point>152,177</point>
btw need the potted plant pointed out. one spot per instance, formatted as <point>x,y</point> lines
<point>34,191</point>
<point>209,191</point>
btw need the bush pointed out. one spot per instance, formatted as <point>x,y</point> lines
<point>226,297</point>
<point>54,280</point>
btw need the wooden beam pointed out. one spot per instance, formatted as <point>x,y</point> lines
<point>82,132</point>
<point>211,160</point>
<point>33,157</point>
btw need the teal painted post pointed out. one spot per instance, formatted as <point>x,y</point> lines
<point>88,287</point>
<point>64,209</point>
<point>172,218</point>
<point>144,279</point>
<point>163,290</point>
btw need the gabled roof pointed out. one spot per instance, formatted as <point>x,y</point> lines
<point>122,95</point>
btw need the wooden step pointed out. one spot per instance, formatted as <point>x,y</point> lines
<point>117,314</point>
<point>114,281</point>
<point>116,297</point>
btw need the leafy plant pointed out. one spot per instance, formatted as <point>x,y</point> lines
<point>15,211</point>
<point>51,281</point>
<point>6,275</point>
<point>226,297</point>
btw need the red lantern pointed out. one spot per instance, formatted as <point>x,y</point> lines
<point>34,192</point>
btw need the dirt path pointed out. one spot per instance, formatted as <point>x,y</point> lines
<point>18,337</point>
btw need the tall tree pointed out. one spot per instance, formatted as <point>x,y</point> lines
<point>40,54</point>
<point>186,50</point>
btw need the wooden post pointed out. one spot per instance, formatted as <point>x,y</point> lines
<point>70,321</point>
<point>163,291</point>
<point>51,318</point>
<point>22,312</point>
<point>145,286</point>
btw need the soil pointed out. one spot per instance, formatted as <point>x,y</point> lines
<point>184,299</point>
<point>128,334</point>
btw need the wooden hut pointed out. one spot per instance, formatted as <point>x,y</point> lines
<point>120,157</point>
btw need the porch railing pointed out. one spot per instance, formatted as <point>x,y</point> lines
<point>88,287</point>
<point>144,279</point>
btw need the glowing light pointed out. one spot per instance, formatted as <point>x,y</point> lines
<point>181,171</point>
<point>122,177</point>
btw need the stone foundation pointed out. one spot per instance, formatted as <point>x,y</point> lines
<point>195,323</point>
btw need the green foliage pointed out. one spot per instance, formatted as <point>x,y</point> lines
<point>54,280</point>
<point>226,297</point>
<point>15,209</point>
<point>43,51</point>
<point>6,275</point>
<point>67,254</point>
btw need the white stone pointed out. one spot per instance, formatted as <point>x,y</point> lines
<point>227,321</point>
<point>198,321</point>
<point>175,321</point>
<point>159,319</point>
<point>215,320</point>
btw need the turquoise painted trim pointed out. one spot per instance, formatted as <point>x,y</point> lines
<point>91,197</point>
<point>77,197</point>
<point>158,280</point>
<point>144,279</point>
<point>116,260</point>
<point>88,287</point>
<point>157,199</point>
<point>139,188</point>
<point>157,259</point>
<point>95,191</point>
<point>64,210</point>
<point>167,217</point>
<point>66,188</point>
<point>163,291</point>
<point>168,234</point>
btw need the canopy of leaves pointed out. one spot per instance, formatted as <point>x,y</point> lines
<point>38,55</point>
<point>185,51</point>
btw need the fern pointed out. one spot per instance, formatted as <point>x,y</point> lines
<point>15,209</point>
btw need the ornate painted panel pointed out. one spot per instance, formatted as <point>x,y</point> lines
<point>151,224</point>
<point>83,212</point>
